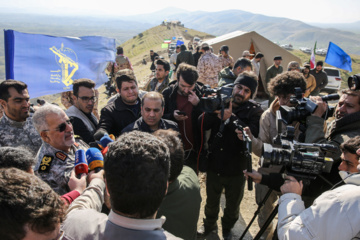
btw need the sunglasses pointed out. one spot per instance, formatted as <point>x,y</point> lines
<point>62,126</point>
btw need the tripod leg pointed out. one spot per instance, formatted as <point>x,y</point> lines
<point>268,221</point>
<point>256,213</point>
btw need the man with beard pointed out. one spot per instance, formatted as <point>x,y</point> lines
<point>343,127</point>
<point>16,128</point>
<point>310,80</point>
<point>320,77</point>
<point>161,79</point>
<point>83,120</point>
<point>56,156</point>
<point>227,157</point>
<point>125,109</point>
<point>182,106</point>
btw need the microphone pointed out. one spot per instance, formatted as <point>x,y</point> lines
<point>95,159</point>
<point>105,140</point>
<point>81,165</point>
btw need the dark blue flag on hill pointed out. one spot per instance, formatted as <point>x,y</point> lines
<point>49,64</point>
<point>338,58</point>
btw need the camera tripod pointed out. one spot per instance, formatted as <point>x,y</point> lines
<point>268,220</point>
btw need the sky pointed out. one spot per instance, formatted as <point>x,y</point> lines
<point>310,11</point>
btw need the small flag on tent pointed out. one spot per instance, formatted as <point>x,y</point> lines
<point>338,58</point>
<point>312,59</point>
<point>164,45</point>
<point>167,40</point>
<point>49,64</point>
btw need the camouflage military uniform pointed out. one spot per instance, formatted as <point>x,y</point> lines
<point>54,166</point>
<point>66,100</point>
<point>209,66</point>
<point>226,61</point>
<point>14,134</point>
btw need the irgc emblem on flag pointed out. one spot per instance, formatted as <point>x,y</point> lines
<point>49,64</point>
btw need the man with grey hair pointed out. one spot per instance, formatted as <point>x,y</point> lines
<point>16,128</point>
<point>56,156</point>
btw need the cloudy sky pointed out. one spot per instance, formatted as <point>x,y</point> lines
<point>321,11</point>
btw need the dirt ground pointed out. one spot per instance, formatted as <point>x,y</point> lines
<point>248,207</point>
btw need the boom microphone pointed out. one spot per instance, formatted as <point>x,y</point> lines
<point>81,165</point>
<point>95,159</point>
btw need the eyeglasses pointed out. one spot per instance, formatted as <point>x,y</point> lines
<point>62,126</point>
<point>87,99</point>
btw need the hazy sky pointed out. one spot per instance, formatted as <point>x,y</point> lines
<point>322,11</point>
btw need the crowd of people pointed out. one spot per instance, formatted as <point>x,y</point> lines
<point>150,145</point>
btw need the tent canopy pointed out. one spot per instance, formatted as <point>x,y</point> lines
<point>239,41</point>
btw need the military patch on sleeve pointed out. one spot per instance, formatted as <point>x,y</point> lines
<point>45,164</point>
<point>61,156</point>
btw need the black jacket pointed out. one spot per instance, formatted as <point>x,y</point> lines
<point>141,125</point>
<point>115,117</point>
<point>170,94</point>
<point>185,57</point>
<point>226,153</point>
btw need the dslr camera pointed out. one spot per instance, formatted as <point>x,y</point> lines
<point>216,99</point>
<point>301,160</point>
<point>304,107</point>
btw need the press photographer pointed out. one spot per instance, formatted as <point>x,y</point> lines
<point>282,87</point>
<point>343,127</point>
<point>333,210</point>
<point>227,154</point>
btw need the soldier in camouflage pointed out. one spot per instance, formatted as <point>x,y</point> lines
<point>16,128</point>
<point>56,157</point>
<point>225,58</point>
<point>209,66</point>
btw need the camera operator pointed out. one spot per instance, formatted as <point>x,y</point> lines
<point>318,221</point>
<point>282,87</point>
<point>227,157</point>
<point>344,126</point>
<point>333,210</point>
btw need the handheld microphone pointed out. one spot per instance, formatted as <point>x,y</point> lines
<point>105,140</point>
<point>81,165</point>
<point>95,159</point>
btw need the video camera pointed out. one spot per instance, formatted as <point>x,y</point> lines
<point>216,98</point>
<point>301,160</point>
<point>304,107</point>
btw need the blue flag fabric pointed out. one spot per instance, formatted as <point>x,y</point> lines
<point>338,58</point>
<point>178,42</point>
<point>49,64</point>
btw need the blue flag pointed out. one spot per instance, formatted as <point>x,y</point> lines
<point>338,58</point>
<point>49,64</point>
<point>178,42</point>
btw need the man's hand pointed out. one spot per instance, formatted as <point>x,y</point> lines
<point>179,117</point>
<point>240,134</point>
<point>92,175</point>
<point>321,106</point>
<point>256,176</point>
<point>291,185</point>
<point>193,98</point>
<point>77,184</point>
<point>227,112</point>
